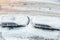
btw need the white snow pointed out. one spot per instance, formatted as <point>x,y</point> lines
<point>52,21</point>
<point>19,19</point>
<point>29,30</point>
<point>37,0</point>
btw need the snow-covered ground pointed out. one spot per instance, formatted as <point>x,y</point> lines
<point>38,0</point>
<point>29,32</point>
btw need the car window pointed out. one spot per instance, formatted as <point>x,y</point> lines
<point>45,27</point>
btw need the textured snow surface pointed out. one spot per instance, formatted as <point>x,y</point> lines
<point>29,32</point>
<point>39,0</point>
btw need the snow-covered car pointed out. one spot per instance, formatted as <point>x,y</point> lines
<point>35,30</point>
